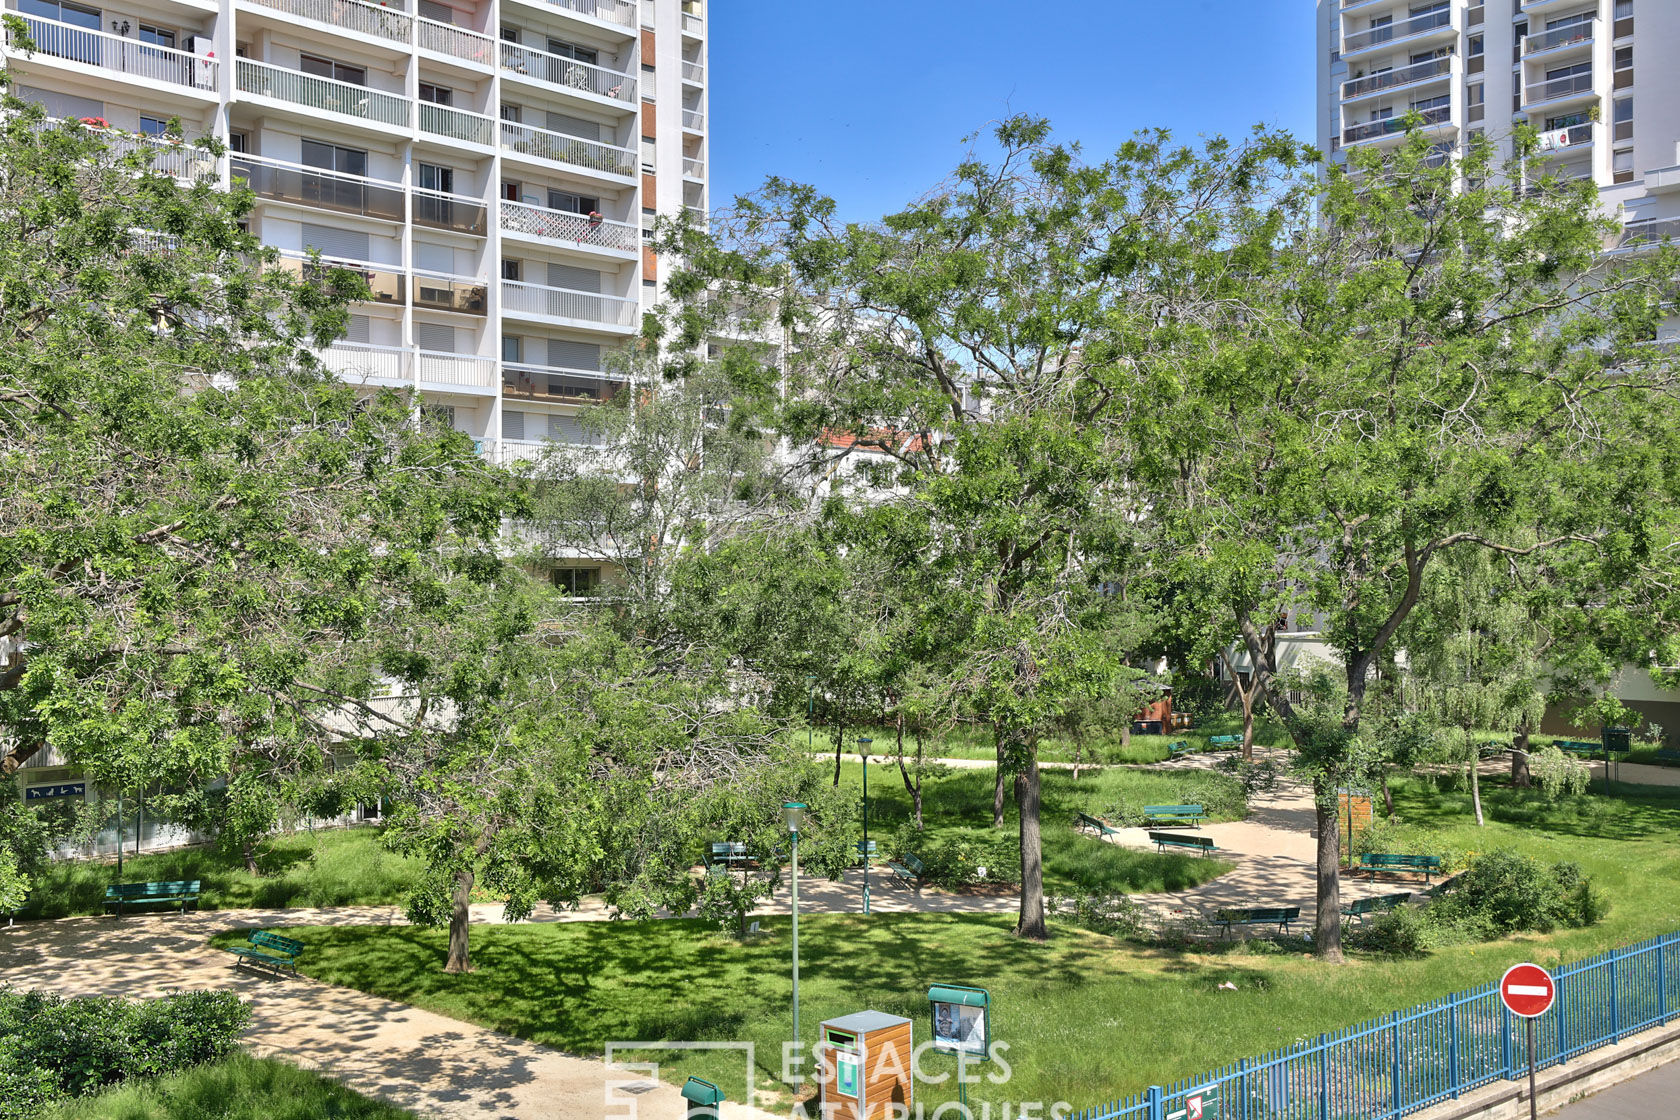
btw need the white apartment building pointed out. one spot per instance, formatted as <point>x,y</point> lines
<point>1596,77</point>
<point>492,167</point>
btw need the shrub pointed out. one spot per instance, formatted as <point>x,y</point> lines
<point>1505,891</point>
<point>1558,774</point>
<point>727,900</point>
<point>953,856</point>
<point>1401,932</point>
<point>1110,913</point>
<point>1255,777</point>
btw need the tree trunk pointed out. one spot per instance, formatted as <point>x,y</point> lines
<point>1388,795</point>
<point>458,922</point>
<point>914,789</point>
<point>1327,923</point>
<point>839,738</point>
<point>1520,777</point>
<point>1031,925</point>
<point>1078,752</point>
<point>1248,719</point>
<point>997,780</point>
<point>1125,734</point>
<point>249,851</point>
<point>1475,777</point>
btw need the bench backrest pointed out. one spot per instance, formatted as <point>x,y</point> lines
<point>1175,838</point>
<point>263,939</point>
<point>866,846</point>
<point>1260,914</point>
<point>1178,745</point>
<point>913,863</point>
<point>729,848</point>
<point>1224,738</point>
<point>1376,859</point>
<point>152,890</point>
<point>1172,810</point>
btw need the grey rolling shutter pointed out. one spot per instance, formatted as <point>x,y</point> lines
<point>574,126</point>
<point>513,424</point>
<point>63,105</point>
<point>566,354</point>
<point>434,258</point>
<point>443,13</point>
<point>565,429</point>
<point>435,336</point>
<point>346,244</point>
<point>360,329</point>
<point>573,277</point>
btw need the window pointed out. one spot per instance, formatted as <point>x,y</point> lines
<point>648,153</point>
<point>510,34</point>
<point>1621,166</point>
<point>1623,117</point>
<point>1478,45</point>
<point>1518,30</point>
<point>156,36</point>
<point>1476,98</point>
<point>239,142</point>
<point>1428,103</point>
<point>512,348</point>
<point>1568,21</point>
<point>1478,55</point>
<point>572,203</point>
<point>575,581</point>
<point>73,14</point>
<point>510,270</point>
<point>647,82</point>
<point>151,126</point>
<point>327,68</point>
<point>1624,67</point>
<point>436,178</point>
<point>443,413</point>
<point>568,50</point>
<point>1382,29</point>
<point>510,190</point>
<point>331,157</point>
<point>437,13</point>
<point>510,113</point>
<point>437,95</point>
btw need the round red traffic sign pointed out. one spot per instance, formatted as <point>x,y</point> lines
<point>1527,990</point>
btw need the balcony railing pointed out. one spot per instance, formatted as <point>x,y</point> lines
<point>693,72</point>
<point>449,211</point>
<point>1560,37</point>
<point>1651,231</point>
<point>693,24</point>
<point>694,168</point>
<point>694,119</point>
<point>1393,79</point>
<point>316,187</point>
<point>321,94</point>
<point>568,73</point>
<point>560,148</point>
<point>438,368</point>
<point>1551,90</point>
<point>563,225</point>
<point>1566,139</point>
<point>360,361</point>
<point>457,124</point>
<point>458,42</point>
<point>1394,32</point>
<point>449,293</point>
<point>175,158</point>
<point>557,385</point>
<point>352,15</point>
<point>121,55</point>
<point>565,303</point>
<point>385,282</point>
<point>1373,129</point>
<point>621,12</point>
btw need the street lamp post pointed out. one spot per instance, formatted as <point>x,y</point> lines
<point>863,747</point>
<point>794,813</point>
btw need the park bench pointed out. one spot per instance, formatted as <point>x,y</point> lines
<point>268,950</point>
<point>1101,827</point>
<point>121,895</point>
<point>1165,840</point>
<point>1387,861</point>
<point>1191,815</point>
<point>1178,747</point>
<point>1282,915</point>
<point>908,870</point>
<point>1361,907</point>
<point>1578,746</point>
<point>728,853</point>
<point>1668,755</point>
<point>1224,742</point>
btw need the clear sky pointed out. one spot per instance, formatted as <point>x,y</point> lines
<point>868,100</point>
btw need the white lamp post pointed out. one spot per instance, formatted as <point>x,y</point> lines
<point>794,813</point>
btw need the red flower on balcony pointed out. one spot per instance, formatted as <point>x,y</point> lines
<point>595,217</point>
<point>95,122</point>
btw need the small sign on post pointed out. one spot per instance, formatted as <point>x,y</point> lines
<point>1527,990</point>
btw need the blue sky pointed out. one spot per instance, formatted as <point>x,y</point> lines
<point>869,99</point>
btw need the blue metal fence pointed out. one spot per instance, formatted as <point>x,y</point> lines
<point>1409,1060</point>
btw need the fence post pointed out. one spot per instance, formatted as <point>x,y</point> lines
<point>1563,1031</point>
<point>1452,1048</point>
<point>1242,1083</point>
<point>1154,1102</point>
<point>1505,1037</point>
<point>1662,982</point>
<point>1615,1015</point>
<point>1324,1077</point>
<point>1394,1074</point>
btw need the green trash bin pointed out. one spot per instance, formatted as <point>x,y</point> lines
<point>703,1099</point>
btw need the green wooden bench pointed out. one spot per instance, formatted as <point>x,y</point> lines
<point>1165,840</point>
<point>728,853</point>
<point>1178,747</point>
<point>119,896</point>
<point>1669,756</point>
<point>1224,742</point>
<point>1191,815</point>
<point>1282,915</point>
<point>1578,746</point>
<point>1101,827</point>
<point>910,870</point>
<point>1376,905</point>
<point>268,950</point>
<point>1388,861</point>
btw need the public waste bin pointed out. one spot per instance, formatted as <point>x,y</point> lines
<point>703,1099</point>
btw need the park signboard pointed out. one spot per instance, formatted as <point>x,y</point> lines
<point>962,1020</point>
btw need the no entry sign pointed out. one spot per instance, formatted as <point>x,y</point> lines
<point>1527,990</point>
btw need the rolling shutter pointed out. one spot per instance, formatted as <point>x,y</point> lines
<point>345,244</point>
<point>573,277</point>
<point>567,354</point>
<point>435,336</point>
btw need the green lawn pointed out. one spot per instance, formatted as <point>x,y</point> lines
<point>976,742</point>
<point>1062,1007</point>
<point>1073,861</point>
<point>329,867</point>
<point>240,1088</point>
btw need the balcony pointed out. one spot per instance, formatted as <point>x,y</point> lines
<point>438,292</point>
<point>1568,139</point>
<point>175,158</point>
<point>1547,7</point>
<point>564,303</point>
<point>1650,231</point>
<point>385,282</point>
<point>437,370</point>
<point>694,168</point>
<point>557,147</point>
<point>372,20</point>
<point>1394,126</point>
<point>457,124</point>
<point>568,73</point>
<point>622,13</point>
<point>321,95</point>
<point>1433,70</point>
<point>1430,25</point>
<point>575,230</point>
<point>554,385</point>
<point>128,58</point>
<point>408,367</point>
<point>455,212</point>
<point>1579,35</point>
<point>693,26</point>
<point>693,72</point>
<point>693,120</point>
<point>455,42</point>
<point>320,189</point>
<point>1559,91</point>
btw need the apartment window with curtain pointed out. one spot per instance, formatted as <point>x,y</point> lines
<point>1624,67</point>
<point>322,67</point>
<point>1622,115</point>
<point>1477,54</point>
<point>1624,18</point>
<point>1476,98</point>
<point>1621,165</point>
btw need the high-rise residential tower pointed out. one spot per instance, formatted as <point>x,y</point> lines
<point>492,167</point>
<point>1597,78</point>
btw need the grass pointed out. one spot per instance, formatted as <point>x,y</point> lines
<point>1060,1006</point>
<point>1074,862</point>
<point>331,867</point>
<point>240,1088</point>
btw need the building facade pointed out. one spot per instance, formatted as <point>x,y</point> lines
<point>491,167</point>
<point>1596,77</point>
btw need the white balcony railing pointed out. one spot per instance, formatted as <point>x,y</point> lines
<point>621,12</point>
<point>568,73</point>
<point>693,71</point>
<point>1393,79</point>
<point>694,119</point>
<point>1566,139</point>
<point>457,124</point>
<point>560,148</point>
<point>352,15</point>
<point>121,55</point>
<point>693,24</point>
<point>1555,88</point>
<point>1395,32</point>
<point>1391,125</point>
<point>359,361</point>
<point>694,168</point>
<point>178,159</point>
<point>438,368</point>
<point>321,94</point>
<point>1564,36</point>
<point>457,42</point>
<point>562,225</point>
<point>565,303</point>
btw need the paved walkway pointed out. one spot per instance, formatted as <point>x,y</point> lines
<point>1650,1096</point>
